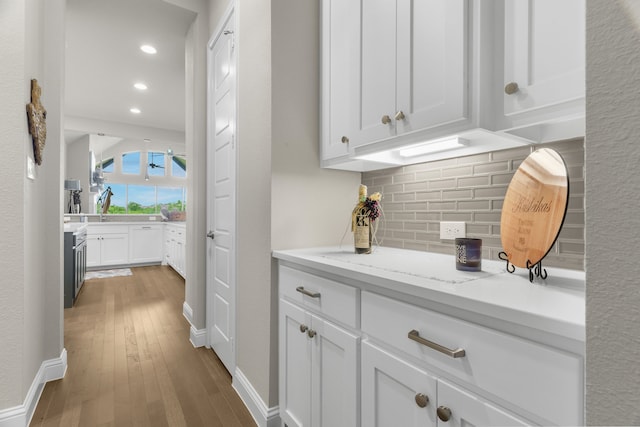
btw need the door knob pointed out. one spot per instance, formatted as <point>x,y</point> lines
<point>444,413</point>
<point>211,235</point>
<point>399,115</point>
<point>511,88</point>
<point>386,119</point>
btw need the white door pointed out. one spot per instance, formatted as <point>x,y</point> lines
<point>395,393</point>
<point>462,409</point>
<point>221,193</point>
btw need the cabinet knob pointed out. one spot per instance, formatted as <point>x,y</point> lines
<point>303,328</point>
<point>399,115</point>
<point>444,413</point>
<point>311,333</point>
<point>345,140</point>
<point>511,88</point>
<point>386,119</point>
<point>211,235</point>
<point>422,400</point>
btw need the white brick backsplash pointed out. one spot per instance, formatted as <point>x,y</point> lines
<point>471,189</point>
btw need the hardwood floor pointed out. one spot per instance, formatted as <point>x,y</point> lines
<point>130,362</point>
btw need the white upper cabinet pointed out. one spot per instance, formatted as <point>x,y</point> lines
<point>405,73</point>
<point>413,73</point>
<point>544,68</point>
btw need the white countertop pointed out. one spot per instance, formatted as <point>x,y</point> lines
<point>555,305</point>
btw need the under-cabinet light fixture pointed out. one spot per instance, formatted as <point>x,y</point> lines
<point>433,146</point>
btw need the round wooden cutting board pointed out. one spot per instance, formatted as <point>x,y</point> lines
<point>534,207</point>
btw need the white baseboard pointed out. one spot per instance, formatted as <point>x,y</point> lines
<point>262,415</point>
<point>20,416</point>
<point>198,337</point>
<point>187,312</point>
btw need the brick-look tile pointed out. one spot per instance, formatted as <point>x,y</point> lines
<point>472,189</point>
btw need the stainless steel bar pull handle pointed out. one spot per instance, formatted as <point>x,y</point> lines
<point>415,336</point>
<point>311,294</point>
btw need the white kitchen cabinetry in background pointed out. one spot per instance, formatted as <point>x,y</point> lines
<point>318,358</point>
<point>544,68</point>
<point>174,247</point>
<point>341,323</point>
<point>107,245</point>
<point>145,243</point>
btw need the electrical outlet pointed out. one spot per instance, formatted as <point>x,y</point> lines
<point>449,230</point>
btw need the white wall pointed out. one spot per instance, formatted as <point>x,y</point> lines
<point>30,298</point>
<point>612,205</point>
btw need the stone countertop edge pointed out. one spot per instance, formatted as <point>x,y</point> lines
<point>555,305</point>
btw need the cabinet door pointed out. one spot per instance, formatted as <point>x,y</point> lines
<point>544,53</point>
<point>391,389</point>
<point>340,75</point>
<point>114,249</point>
<point>335,376</point>
<point>93,250</point>
<point>377,71</point>
<point>295,366</point>
<point>470,410</point>
<point>432,56</point>
<point>145,243</point>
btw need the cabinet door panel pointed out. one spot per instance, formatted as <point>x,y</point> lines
<point>432,64</point>
<point>93,251</point>
<point>389,389</point>
<point>115,249</point>
<point>469,410</point>
<point>544,53</point>
<point>378,70</point>
<point>341,71</point>
<point>335,376</point>
<point>295,366</point>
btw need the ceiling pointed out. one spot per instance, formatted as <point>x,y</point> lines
<point>104,60</point>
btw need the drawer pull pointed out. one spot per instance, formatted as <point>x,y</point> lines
<point>415,336</point>
<point>303,291</point>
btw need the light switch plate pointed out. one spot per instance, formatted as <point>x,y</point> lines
<point>449,230</point>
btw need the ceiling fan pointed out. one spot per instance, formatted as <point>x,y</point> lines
<point>154,165</point>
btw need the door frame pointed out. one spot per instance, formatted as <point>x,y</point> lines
<point>230,13</point>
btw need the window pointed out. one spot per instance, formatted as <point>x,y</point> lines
<point>118,203</point>
<point>171,198</point>
<point>144,199</point>
<point>178,166</point>
<point>156,164</point>
<point>131,163</point>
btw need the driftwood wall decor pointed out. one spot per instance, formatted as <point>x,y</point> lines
<point>37,118</point>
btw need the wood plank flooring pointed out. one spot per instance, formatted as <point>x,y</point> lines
<point>130,362</point>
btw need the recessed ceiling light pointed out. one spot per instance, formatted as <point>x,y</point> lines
<point>147,140</point>
<point>135,110</point>
<point>147,48</point>
<point>140,86</point>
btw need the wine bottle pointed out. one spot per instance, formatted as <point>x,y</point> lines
<point>362,224</point>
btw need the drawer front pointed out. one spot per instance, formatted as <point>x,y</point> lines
<point>539,379</point>
<point>94,229</point>
<point>330,298</point>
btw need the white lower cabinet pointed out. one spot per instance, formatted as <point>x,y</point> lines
<point>175,249</point>
<point>350,356</point>
<point>107,246</point>
<point>318,370</point>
